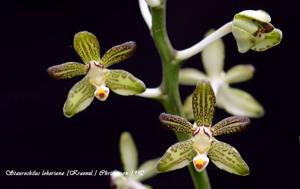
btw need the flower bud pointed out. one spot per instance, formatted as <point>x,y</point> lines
<point>253,30</point>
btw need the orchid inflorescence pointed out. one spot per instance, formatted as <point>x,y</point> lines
<point>251,30</point>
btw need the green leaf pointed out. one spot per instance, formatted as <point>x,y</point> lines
<point>203,104</point>
<point>239,73</point>
<point>227,158</point>
<point>118,53</point>
<point>187,108</point>
<point>239,102</point>
<point>147,170</point>
<point>67,70</point>
<point>213,57</point>
<point>123,83</point>
<point>79,98</point>
<point>87,46</point>
<point>177,156</point>
<point>128,152</point>
<point>190,76</point>
<point>176,123</point>
<point>230,125</point>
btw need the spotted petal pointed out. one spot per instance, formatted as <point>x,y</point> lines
<point>128,152</point>
<point>67,70</point>
<point>177,156</point>
<point>123,83</point>
<point>118,53</point>
<point>239,102</point>
<point>176,123</point>
<point>203,104</point>
<point>190,76</point>
<point>230,125</point>
<point>79,98</point>
<point>227,158</point>
<point>213,57</point>
<point>87,46</point>
<point>267,40</point>
<point>239,73</point>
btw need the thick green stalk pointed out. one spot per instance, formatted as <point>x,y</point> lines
<point>169,85</point>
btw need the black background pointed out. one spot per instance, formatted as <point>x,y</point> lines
<point>35,134</point>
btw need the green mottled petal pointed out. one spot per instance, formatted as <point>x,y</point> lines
<point>190,76</point>
<point>213,57</point>
<point>177,156</point>
<point>227,158</point>
<point>67,70</point>
<point>146,170</point>
<point>203,104</point>
<point>239,102</point>
<point>239,73</point>
<point>176,123</point>
<point>87,46</point>
<point>118,53</point>
<point>128,152</point>
<point>244,40</point>
<point>230,125</point>
<point>187,108</point>
<point>123,83</point>
<point>79,98</point>
<point>267,40</point>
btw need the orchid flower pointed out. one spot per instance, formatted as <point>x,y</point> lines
<point>133,176</point>
<point>98,78</point>
<point>203,146</point>
<point>234,101</point>
<point>253,30</point>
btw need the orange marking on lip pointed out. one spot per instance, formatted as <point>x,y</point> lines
<point>101,95</point>
<point>200,163</point>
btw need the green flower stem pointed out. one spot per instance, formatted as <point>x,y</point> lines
<point>198,47</point>
<point>169,86</point>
